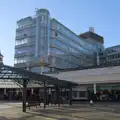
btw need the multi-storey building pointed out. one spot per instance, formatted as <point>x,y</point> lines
<point>110,55</point>
<point>43,37</point>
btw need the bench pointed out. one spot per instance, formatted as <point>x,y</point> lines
<point>33,103</point>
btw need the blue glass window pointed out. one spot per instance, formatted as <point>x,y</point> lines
<point>57,51</point>
<point>24,50</point>
<point>60,44</point>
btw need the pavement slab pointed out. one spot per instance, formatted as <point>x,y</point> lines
<point>80,112</point>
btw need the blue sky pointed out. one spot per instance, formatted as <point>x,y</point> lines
<point>78,15</point>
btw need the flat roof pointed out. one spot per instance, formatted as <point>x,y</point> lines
<point>17,74</point>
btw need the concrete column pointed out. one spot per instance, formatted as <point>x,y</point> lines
<point>49,91</point>
<point>94,88</point>
<point>32,91</point>
<point>41,69</point>
<point>17,91</point>
<point>4,91</point>
<point>98,59</point>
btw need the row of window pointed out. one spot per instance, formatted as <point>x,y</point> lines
<point>23,59</point>
<point>26,31</point>
<point>71,43</point>
<point>20,33</point>
<point>61,62</point>
<point>113,57</point>
<point>88,46</point>
<point>25,50</point>
<point>21,25</point>
<point>55,51</point>
<point>64,55</point>
<point>30,39</point>
<point>26,23</point>
<point>79,94</point>
<point>72,37</point>
<point>64,63</point>
<point>67,40</point>
<point>67,32</point>
<point>20,60</point>
<point>69,57</point>
<point>76,54</point>
<point>21,41</point>
<point>65,46</point>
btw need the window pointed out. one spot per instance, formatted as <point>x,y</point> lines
<point>24,50</point>
<point>56,34</point>
<point>58,61</point>
<point>20,33</point>
<point>60,44</point>
<point>21,41</point>
<point>58,26</point>
<point>57,51</point>
<point>82,94</point>
<point>19,60</point>
<point>116,56</point>
<point>74,93</point>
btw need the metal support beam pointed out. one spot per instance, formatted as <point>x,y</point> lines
<point>70,95</point>
<point>44,94</point>
<point>24,95</point>
<point>65,95</point>
<point>58,95</point>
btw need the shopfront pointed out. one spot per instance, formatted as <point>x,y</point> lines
<point>105,92</point>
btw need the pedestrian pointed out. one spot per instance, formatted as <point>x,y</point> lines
<point>91,102</point>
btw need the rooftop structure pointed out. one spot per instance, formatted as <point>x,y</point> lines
<point>91,34</point>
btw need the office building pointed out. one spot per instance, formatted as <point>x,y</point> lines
<point>43,38</point>
<point>110,55</point>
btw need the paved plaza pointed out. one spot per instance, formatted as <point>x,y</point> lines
<point>106,111</point>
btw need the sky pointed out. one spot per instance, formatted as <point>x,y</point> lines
<point>77,15</point>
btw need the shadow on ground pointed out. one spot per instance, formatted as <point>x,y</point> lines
<point>96,112</point>
<point>54,113</point>
<point>3,118</point>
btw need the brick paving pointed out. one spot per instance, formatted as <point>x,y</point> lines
<point>76,112</point>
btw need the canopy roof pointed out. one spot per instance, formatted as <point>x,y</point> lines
<point>17,75</point>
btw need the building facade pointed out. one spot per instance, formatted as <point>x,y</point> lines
<point>110,55</point>
<point>104,82</point>
<point>43,37</point>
